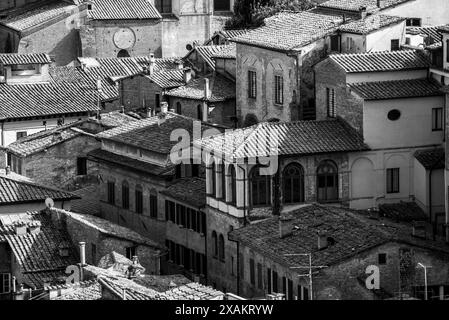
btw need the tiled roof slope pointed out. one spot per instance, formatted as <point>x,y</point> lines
<point>431,158</point>
<point>44,99</point>
<point>188,190</point>
<point>397,89</point>
<point>152,133</point>
<point>24,58</point>
<point>221,88</point>
<point>231,33</point>
<point>123,10</point>
<point>381,61</point>
<point>123,161</point>
<point>370,24</point>
<point>227,52</point>
<point>206,53</point>
<point>104,69</point>
<point>354,5</point>
<point>38,254</point>
<point>286,138</point>
<point>444,29</point>
<point>109,228</point>
<point>403,211</point>
<point>27,19</point>
<point>89,290</point>
<point>431,31</point>
<point>289,31</point>
<point>352,234</point>
<point>168,78</point>
<point>15,191</point>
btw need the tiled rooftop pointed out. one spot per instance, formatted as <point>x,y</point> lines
<point>188,190</point>
<point>227,52</point>
<point>24,58</point>
<point>231,33</point>
<point>286,138</point>
<point>152,133</point>
<point>38,254</point>
<point>123,10</point>
<point>207,52</point>
<point>290,31</point>
<point>133,164</point>
<point>381,61</point>
<point>24,20</point>
<point>161,283</point>
<point>397,89</point>
<point>444,29</point>
<point>350,232</point>
<point>107,69</point>
<point>19,191</point>
<point>88,290</point>
<point>44,99</point>
<point>370,24</point>
<point>222,89</point>
<point>354,5</point>
<point>167,79</point>
<point>403,211</point>
<point>430,31</point>
<point>109,228</point>
<point>431,158</point>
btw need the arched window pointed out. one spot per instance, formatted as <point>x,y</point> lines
<point>123,54</point>
<point>223,181</point>
<point>233,184</point>
<point>139,199</point>
<point>153,203</point>
<point>199,110</point>
<point>178,108</point>
<point>125,195</point>
<point>215,243</point>
<point>293,183</point>
<point>221,248</point>
<point>260,188</point>
<point>327,181</point>
<point>214,180</point>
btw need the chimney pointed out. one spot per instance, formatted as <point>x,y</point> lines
<point>20,228</point>
<point>187,75</point>
<point>285,226</point>
<point>180,64</point>
<point>362,12</point>
<point>34,227</point>
<point>207,92</point>
<point>57,136</point>
<point>164,107</point>
<point>149,112</point>
<point>7,170</point>
<point>322,241</point>
<point>344,18</point>
<point>82,246</point>
<point>419,229</point>
<point>151,63</point>
<point>122,109</point>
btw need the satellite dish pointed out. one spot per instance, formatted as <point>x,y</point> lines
<point>189,47</point>
<point>49,203</point>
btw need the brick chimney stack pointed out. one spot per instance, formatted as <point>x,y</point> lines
<point>362,12</point>
<point>151,64</point>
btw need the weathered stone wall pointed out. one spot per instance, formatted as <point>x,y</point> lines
<point>139,92</point>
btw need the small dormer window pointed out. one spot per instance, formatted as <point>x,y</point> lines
<point>24,69</point>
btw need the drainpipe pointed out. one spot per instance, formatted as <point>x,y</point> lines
<point>432,221</point>
<point>3,133</point>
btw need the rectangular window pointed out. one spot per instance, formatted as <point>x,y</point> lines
<point>349,43</point>
<point>394,44</point>
<point>393,180</point>
<point>222,5</point>
<point>289,290</point>
<point>182,213</point>
<point>269,280</point>
<point>259,276</point>
<point>153,206</point>
<point>81,166</point>
<point>163,6</point>
<point>111,192</point>
<point>334,43</point>
<point>252,84</point>
<point>5,283</point>
<point>278,89</point>
<point>330,102</point>
<point>252,271</point>
<point>131,252</point>
<point>284,286</point>
<point>437,119</point>
<point>382,258</point>
<point>125,197</point>
<point>139,201</point>
<point>413,22</point>
<point>275,282</point>
<point>21,134</point>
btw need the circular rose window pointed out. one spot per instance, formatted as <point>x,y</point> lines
<point>394,114</point>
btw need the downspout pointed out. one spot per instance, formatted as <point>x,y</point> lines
<point>3,133</point>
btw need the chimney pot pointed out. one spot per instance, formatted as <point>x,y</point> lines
<point>285,226</point>
<point>151,63</point>
<point>207,92</point>
<point>82,246</point>
<point>322,241</point>
<point>7,170</point>
<point>187,75</point>
<point>362,12</point>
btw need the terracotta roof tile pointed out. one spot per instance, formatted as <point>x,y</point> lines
<point>231,33</point>
<point>286,138</point>
<point>123,10</point>
<point>227,52</point>
<point>44,99</point>
<point>24,58</point>
<point>431,158</point>
<point>397,89</point>
<point>207,52</point>
<point>403,211</point>
<point>188,190</point>
<point>370,24</point>
<point>152,133</point>
<point>354,5</point>
<point>289,31</point>
<point>430,31</point>
<point>222,89</point>
<point>89,290</point>
<point>168,78</point>
<point>381,61</point>
<point>18,191</point>
<point>24,20</point>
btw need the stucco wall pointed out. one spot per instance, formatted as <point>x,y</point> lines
<point>432,12</point>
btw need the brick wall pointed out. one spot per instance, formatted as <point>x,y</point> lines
<point>57,166</point>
